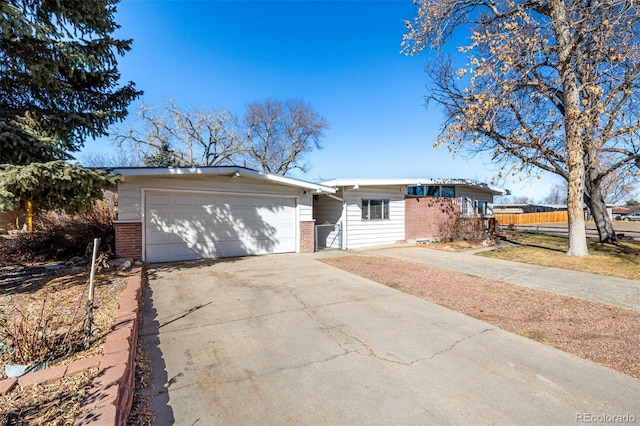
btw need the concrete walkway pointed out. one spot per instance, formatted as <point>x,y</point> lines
<point>282,339</point>
<point>598,288</point>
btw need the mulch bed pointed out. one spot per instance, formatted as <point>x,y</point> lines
<point>53,404</point>
<point>31,294</point>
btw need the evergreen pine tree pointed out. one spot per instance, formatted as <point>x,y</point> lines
<point>58,87</point>
<point>163,156</point>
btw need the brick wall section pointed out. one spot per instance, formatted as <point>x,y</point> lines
<point>307,236</point>
<point>424,216</point>
<point>129,239</point>
<point>109,399</point>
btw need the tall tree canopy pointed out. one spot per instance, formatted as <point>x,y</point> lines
<point>58,87</point>
<point>279,135</point>
<point>273,136</point>
<point>551,84</point>
<point>173,136</point>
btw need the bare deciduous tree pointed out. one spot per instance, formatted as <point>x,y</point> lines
<point>522,199</point>
<point>557,194</point>
<point>279,135</point>
<point>275,137</point>
<point>120,158</point>
<point>618,186</point>
<point>187,137</point>
<point>550,84</point>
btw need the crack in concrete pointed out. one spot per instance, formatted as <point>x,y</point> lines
<point>292,367</point>
<point>366,346</point>
<point>305,309</point>
<point>262,315</point>
<point>345,351</point>
<point>456,343</point>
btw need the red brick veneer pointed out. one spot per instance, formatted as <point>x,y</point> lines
<point>128,239</point>
<point>307,236</point>
<point>424,216</point>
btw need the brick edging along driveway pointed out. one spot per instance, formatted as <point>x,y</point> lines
<point>110,395</point>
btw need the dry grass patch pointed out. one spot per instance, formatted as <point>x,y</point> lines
<point>50,318</point>
<point>50,313</point>
<point>53,404</point>
<point>604,334</point>
<point>454,246</point>
<point>621,260</point>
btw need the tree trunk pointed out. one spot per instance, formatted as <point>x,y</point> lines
<point>574,154</point>
<point>575,204</point>
<point>598,207</point>
<point>593,190</point>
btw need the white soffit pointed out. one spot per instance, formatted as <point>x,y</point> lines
<point>231,171</point>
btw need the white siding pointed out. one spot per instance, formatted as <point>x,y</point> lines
<point>470,197</point>
<point>129,202</point>
<point>474,193</point>
<point>305,206</point>
<point>327,210</point>
<point>366,233</point>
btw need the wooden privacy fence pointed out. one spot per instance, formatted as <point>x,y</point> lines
<point>531,218</point>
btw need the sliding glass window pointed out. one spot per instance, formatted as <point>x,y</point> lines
<point>375,209</point>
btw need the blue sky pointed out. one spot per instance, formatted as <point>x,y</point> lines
<point>342,57</point>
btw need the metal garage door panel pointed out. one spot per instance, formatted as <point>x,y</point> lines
<point>192,226</point>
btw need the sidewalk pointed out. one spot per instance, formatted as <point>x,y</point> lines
<point>598,288</point>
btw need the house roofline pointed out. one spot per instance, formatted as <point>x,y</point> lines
<point>357,182</point>
<point>231,171</point>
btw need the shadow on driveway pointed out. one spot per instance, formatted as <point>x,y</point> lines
<point>287,339</point>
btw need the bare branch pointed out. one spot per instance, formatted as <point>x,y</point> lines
<point>550,84</point>
<point>279,135</point>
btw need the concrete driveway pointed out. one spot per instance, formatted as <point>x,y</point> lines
<point>287,339</point>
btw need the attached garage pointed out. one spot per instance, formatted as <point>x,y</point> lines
<point>183,226</point>
<point>171,214</point>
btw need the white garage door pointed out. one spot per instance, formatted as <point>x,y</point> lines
<point>182,226</point>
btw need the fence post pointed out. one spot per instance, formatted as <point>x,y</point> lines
<point>89,321</point>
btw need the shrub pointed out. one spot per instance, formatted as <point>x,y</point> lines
<point>463,229</point>
<point>35,334</point>
<point>59,236</point>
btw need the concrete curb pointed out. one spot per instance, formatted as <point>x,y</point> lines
<point>109,399</point>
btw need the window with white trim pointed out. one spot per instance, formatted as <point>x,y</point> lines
<point>481,208</point>
<point>375,209</point>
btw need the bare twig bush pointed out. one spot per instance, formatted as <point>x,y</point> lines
<point>463,229</point>
<point>37,332</point>
<point>59,236</point>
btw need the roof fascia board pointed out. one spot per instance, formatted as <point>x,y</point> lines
<point>231,171</point>
<point>355,183</point>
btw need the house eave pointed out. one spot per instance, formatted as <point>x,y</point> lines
<point>355,183</point>
<point>231,171</point>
